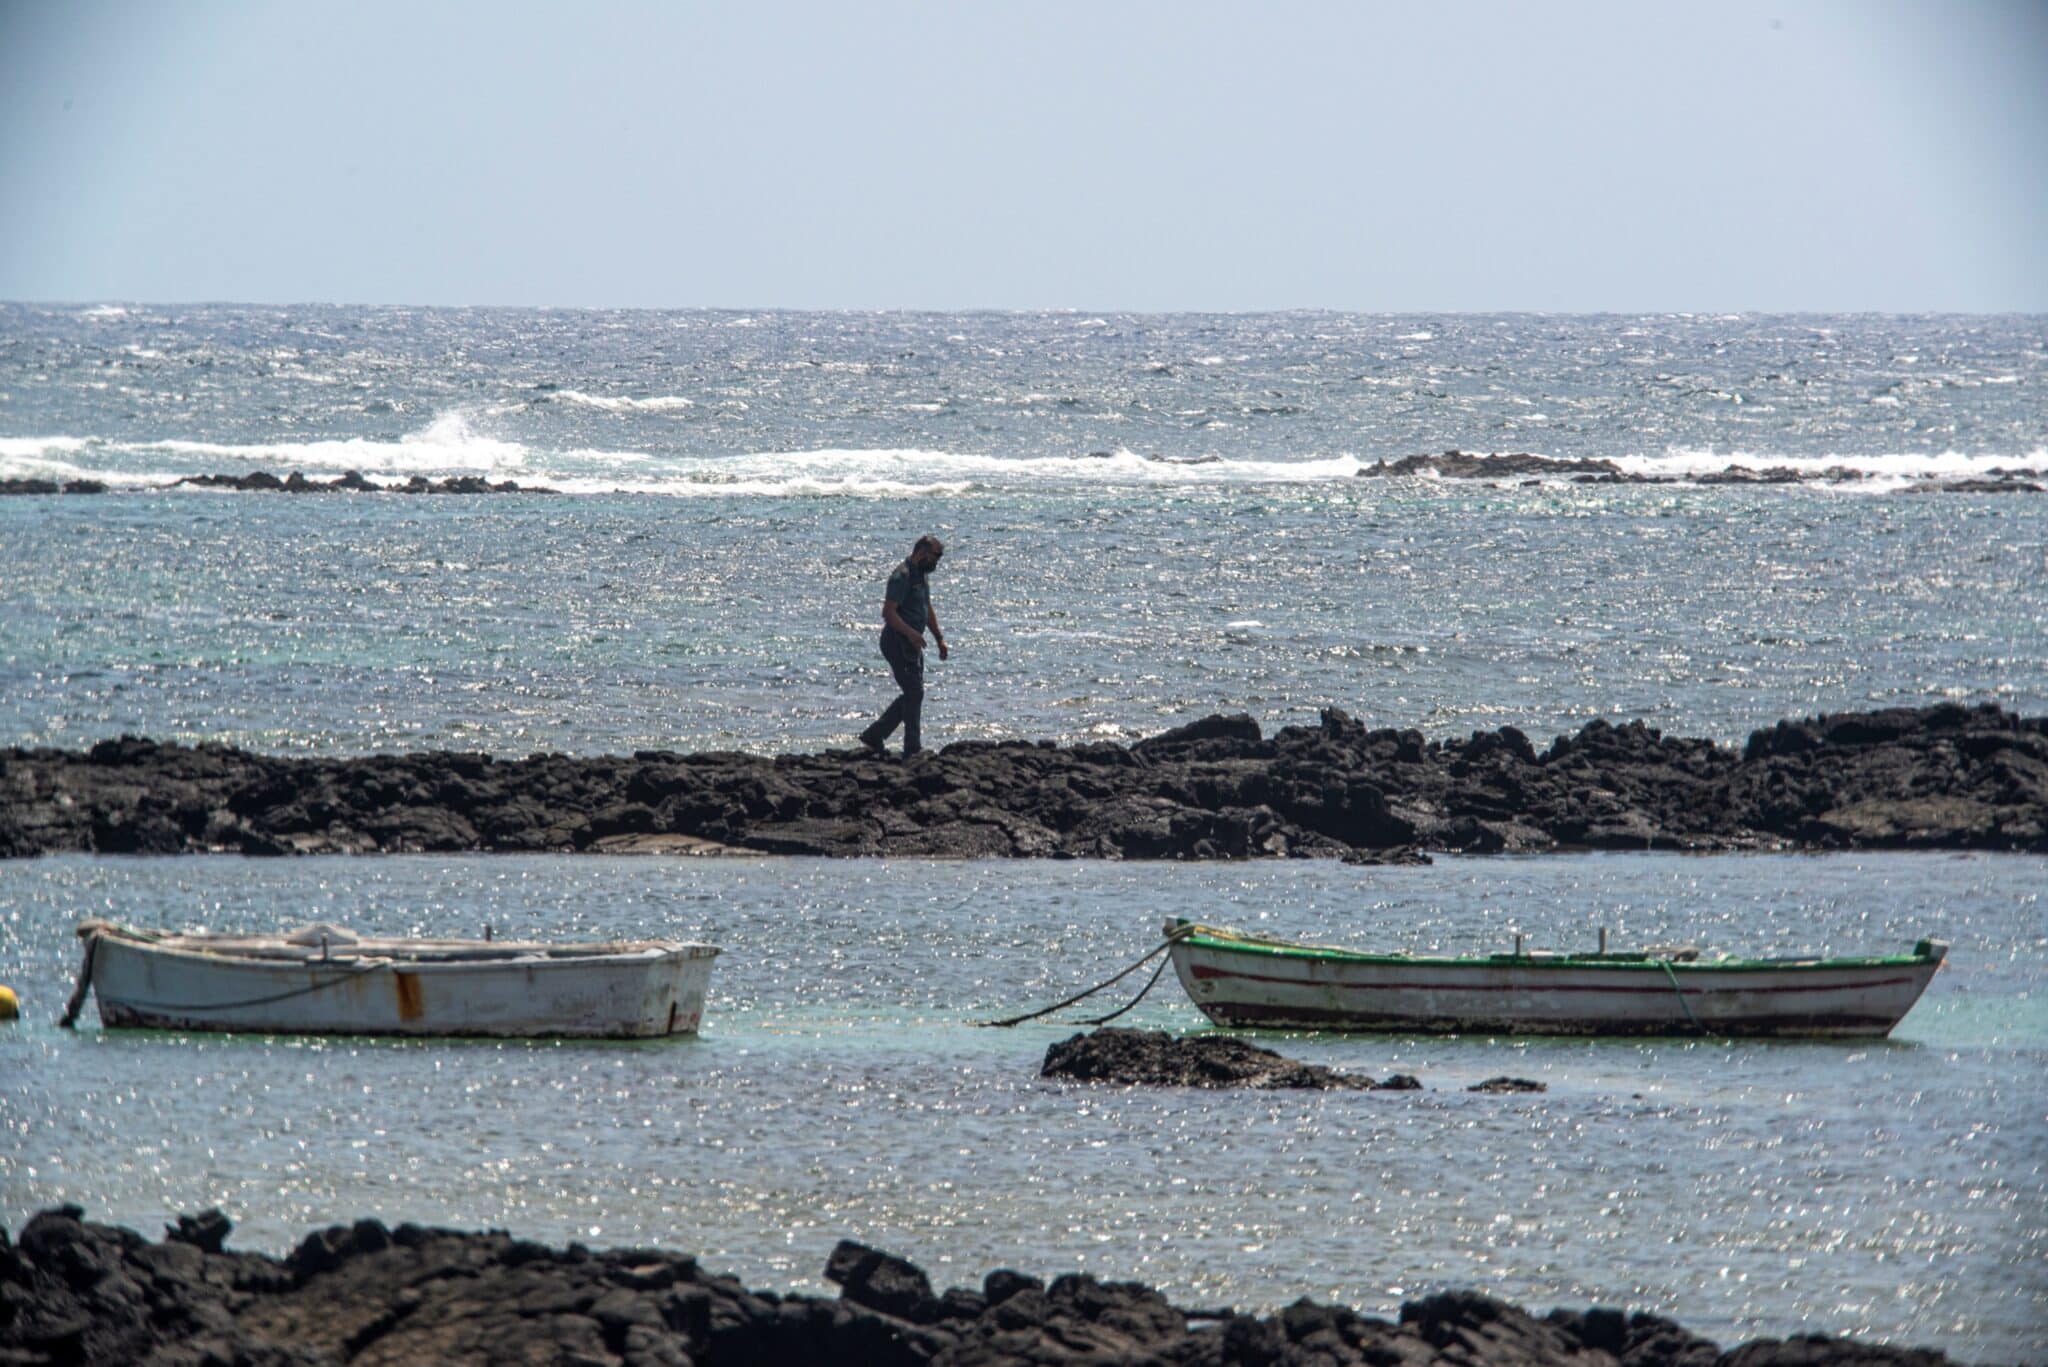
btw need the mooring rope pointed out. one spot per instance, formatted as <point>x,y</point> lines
<point>69,1020</point>
<point>1173,938</point>
<point>373,966</point>
<point>1150,983</point>
<point>1683,1004</point>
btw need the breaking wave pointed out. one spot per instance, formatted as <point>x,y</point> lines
<point>447,445</point>
<point>452,445</point>
<point>1884,470</point>
<point>659,403</point>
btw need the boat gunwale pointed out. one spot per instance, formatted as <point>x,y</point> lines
<point>1194,935</point>
<point>357,958</point>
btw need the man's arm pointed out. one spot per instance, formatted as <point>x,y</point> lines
<point>931,618</point>
<point>893,620</point>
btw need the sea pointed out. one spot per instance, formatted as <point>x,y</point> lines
<point>1148,519</point>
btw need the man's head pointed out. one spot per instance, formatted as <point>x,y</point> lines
<point>925,554</point>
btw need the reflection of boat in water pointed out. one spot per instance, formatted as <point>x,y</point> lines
<point>1250,981</point>
<point>325,980</point>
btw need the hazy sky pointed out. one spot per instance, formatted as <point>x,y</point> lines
<point>1178,155</point>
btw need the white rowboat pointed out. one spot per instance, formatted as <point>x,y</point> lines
<point>324,980</point>
<point>1247,981</point>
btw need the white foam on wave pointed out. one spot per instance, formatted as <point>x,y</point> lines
<point>452,444</point>
<point>909,472</point>
<point>922,469</point>
<point>447,445</point>
<point>620,403</point>
<point>43,458</point>
<point>1879,472</point>
<point>14,450</point>
<point>800,487</point>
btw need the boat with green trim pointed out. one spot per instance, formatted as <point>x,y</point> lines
<point>1250,981</point>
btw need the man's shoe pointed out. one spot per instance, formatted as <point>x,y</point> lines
<point>871,743</point>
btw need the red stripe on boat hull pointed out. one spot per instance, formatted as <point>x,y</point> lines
<point>1241,1017</point>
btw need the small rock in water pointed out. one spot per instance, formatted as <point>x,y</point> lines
<point>1507,1084</point>
<point>1154,1058</point>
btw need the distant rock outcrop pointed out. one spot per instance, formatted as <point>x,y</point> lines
<point>296,482</point>
<point>51,486</point>
<point>1456,464</point>
<point>355,482</point>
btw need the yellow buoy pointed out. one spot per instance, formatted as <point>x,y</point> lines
<point>10,1005</point>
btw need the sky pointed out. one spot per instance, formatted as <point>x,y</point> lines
<point>1582,157</point>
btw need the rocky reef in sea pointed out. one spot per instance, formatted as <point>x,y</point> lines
<point>75,1292</point>
<point>296,482</point>
<point>1942,777</point>
<point>1452,464</point>
<point>1522,465</point>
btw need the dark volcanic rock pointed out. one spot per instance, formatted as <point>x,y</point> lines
<point>354,482</point>
<point>1743,474</point>
<point>1508,1084</point>
<point>1456,464</point>
<point>882,1281</point>
<point>1944,777</point>
<point>51,486</point>
<point>1154,1058</point>
<point>72,1292</point>
<point>1975,486</point>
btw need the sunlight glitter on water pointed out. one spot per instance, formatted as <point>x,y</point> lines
<point>839,1089</point>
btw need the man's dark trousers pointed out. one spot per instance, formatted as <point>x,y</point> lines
<point>906,662</point>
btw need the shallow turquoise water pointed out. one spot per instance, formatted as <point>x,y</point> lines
<point>839,1089</point>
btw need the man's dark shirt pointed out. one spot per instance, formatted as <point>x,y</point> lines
<point>912,597</point>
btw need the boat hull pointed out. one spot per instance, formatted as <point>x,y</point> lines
<point>1248,983</point>
<point>644,994</point>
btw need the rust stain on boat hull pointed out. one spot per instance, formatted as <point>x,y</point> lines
<point>410,1004</point>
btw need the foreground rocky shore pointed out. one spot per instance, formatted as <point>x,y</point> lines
<point>1945,777</point>
<point>77,1292</point>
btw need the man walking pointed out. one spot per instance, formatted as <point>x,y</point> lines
<point>906,612</point>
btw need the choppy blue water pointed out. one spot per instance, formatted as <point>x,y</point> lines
<point>1150,519</point>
